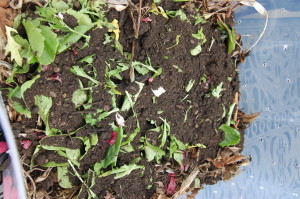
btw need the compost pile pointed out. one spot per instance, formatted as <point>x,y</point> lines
<point>132,100</point>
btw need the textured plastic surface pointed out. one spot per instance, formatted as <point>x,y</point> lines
<point>13,185</point>
<point>270,84</point>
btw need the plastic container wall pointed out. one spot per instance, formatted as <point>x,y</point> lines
<point>270,84</point>
<point>13,184</point>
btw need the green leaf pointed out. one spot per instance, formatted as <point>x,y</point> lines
<point>122,171</point>
<point>179,13</point>
<point>14,92</point>
<point>196,145</point>
<point>158,10</point>
<point>59,5</point>
<point>20,109</point>
<point>77,70</point>
<point>199,19</point>
<point>27,85</point>
<point>54,164</point>
<point>143,68</point>
<point>232,136</point>
<point>152,152</point>
<point>63,178</point>
<point>216,92</point>
<point>231,36</point>
<point>50,43</point>
<point>71,38</point>
<point>93,139</point>
<point>126,103</point>
<point>126,144</point>
<point>119,46</point>
<point>189,85</point>
<point>159,71</point>
<point>79,97</point>
<point>166,131</point>
<point>156,1</point>
<point>116,72</point>
<point>25,51</point>
<point>197,50</point>
<point>90,141</point>
<point>178,68</point>
<point>200,36</point>
<point>35,37</point>
<point>88,59</point>
<point>176,42</point>
<point>73,154</point>
<point>113,151</point>
<point>44,105</point>
<point>36,150</point>
<point>82,19</point>
<point>12,47</point>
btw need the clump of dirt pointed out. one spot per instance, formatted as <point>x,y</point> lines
<point>194,115</point>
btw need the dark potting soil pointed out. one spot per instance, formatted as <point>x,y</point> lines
<point>194,117</point>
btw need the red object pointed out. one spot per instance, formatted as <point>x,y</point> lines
<point>26,143</point>
<point>3,147</point>
<point>146,19</point>
<point>74,51</point>
<point>9,189</point>
<point>45,68</point>
<point>150,80</point>
<point>112,139</point>
<point>41,136</point>
<point>171,188</point>
<point>55,76</point>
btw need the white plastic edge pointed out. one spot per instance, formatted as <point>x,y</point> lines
<point>13,151</point>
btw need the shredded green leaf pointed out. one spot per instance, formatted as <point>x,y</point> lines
<point>44,105</point>
<point>232,136</point>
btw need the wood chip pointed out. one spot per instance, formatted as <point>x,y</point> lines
<point>249,118</point>
<point>44,176</point>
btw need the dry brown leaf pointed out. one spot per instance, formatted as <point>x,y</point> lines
<point>249,118</point>
<point>193,193</point>
<point>159,196</point>
<point>187,182</point>
<point>6,19</point>
<point>236,102</point>
<point>44,176</point>
<point>228,156</point>
<point>4,3</point>
<point>109,195</point>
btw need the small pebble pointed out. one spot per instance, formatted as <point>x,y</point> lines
<point>56,69</point>
<point>179,106</point>
<point>196,112</point>
<point>192,41</point>
<point>64,95</point>
<point>196,126</point>
<point>52,94</point>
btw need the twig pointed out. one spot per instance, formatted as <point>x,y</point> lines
<point>131,70</point>
<point>136,27</point>
<point>78,176</point>
<point>139,19</point>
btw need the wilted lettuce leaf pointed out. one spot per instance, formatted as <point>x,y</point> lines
<point>232,136</point>
<point>44,104</point>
